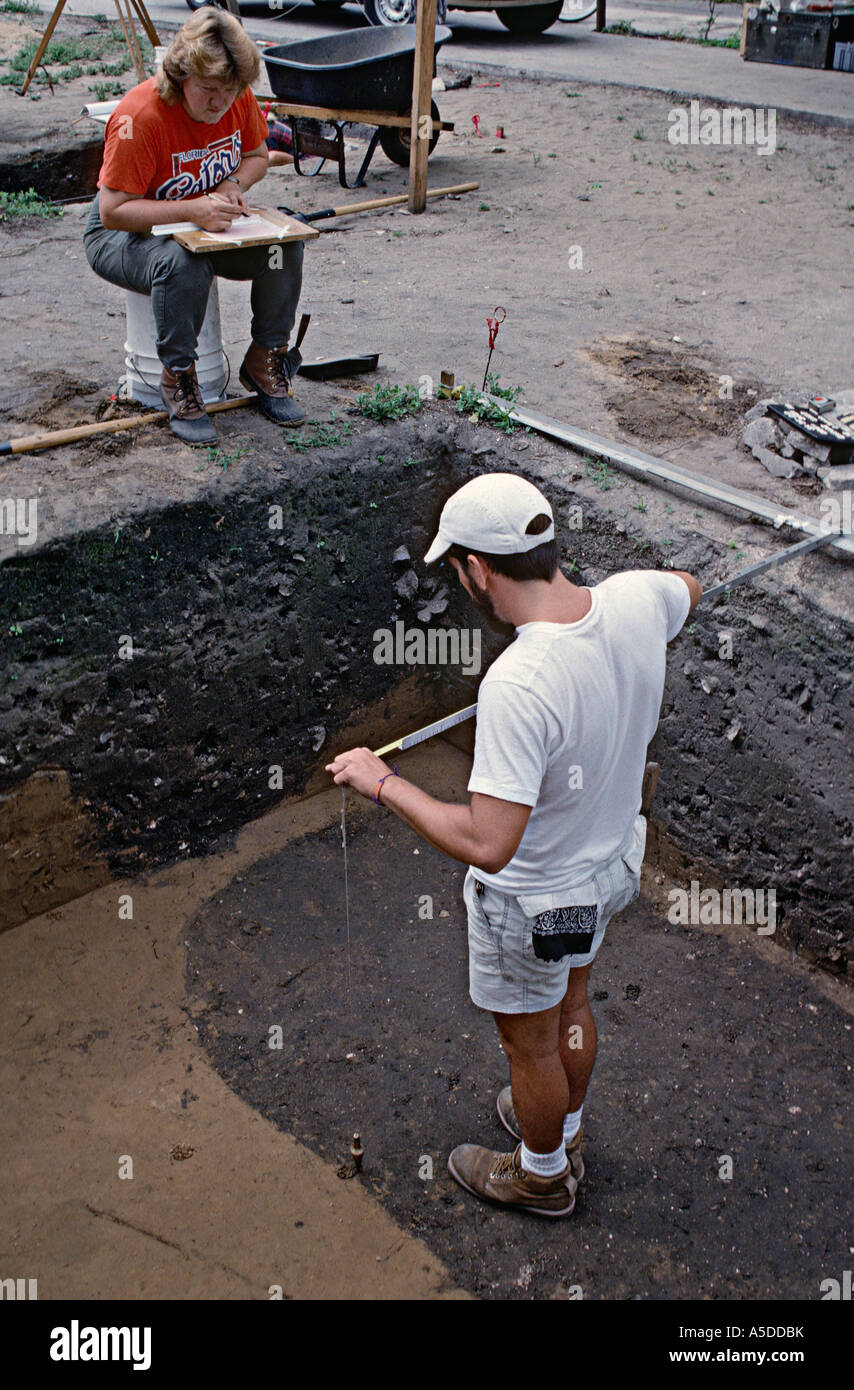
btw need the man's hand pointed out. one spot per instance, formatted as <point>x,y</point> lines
<point>360,769</point>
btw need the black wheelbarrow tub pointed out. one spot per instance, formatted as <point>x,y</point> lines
<point>365,70</point>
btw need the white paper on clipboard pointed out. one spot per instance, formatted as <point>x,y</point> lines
<point>252,226</point>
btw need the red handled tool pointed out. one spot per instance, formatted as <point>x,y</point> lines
<point>493,325</point>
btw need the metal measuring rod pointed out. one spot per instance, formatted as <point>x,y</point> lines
<point>770,562</point>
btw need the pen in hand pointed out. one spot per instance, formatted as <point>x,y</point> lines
<point>227,203</point>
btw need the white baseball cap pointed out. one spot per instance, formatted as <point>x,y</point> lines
<point>491,514</point>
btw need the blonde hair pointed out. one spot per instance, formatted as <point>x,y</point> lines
<point>212,46</point>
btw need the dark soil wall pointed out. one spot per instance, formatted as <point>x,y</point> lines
<point>254,647</point>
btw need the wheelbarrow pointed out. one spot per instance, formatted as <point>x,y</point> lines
<point>362,78</point>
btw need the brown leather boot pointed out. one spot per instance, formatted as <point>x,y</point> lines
<point>507,1116</point>
<point>268,371</point>
<point>188,419</point>
<point>500,1178</point>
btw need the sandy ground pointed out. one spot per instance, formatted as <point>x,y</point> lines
<point>146,1040</point>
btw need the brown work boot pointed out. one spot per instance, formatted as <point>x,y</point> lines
<point>268,371</point>
<point>507,1116</point>
<point>180,393</point>
<point>500,1178</point>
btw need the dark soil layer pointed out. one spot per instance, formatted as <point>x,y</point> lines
<point>252,644</point>
<point>703,1051</point>
<point>253,649</point>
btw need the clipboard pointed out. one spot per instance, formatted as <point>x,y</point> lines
<point>291,229</point>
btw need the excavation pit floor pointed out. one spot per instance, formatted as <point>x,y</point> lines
<point>151,1039</point>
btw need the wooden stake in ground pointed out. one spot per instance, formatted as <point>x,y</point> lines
<point>422,98</point>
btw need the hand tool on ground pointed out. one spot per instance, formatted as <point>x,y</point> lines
<point>293,356</point>
<point>372,203</point>
<point>330,367</point>
<point>650,782</point>
<point>30,443</point>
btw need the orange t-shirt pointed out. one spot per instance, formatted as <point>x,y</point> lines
<point>158,151</point>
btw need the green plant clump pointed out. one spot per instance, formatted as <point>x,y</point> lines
<point>388,402</point>
<point>28,204</point>
<point>472,403</point>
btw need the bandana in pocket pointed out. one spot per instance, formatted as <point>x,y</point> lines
<point>564,931</point>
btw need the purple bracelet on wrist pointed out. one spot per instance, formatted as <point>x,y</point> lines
<point>375,794</point>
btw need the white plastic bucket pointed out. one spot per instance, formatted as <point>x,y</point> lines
<point>142,379</point>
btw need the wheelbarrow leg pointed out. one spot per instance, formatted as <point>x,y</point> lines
<point>295,151</point>
<point>342,157</point>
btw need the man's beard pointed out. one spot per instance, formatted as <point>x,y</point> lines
<point>481,600</point>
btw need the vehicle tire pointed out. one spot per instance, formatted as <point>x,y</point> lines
<point>530,19</point>
<point>396,144</point>
<point>389,11</point>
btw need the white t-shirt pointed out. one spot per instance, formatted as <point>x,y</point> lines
<point>564,718</point>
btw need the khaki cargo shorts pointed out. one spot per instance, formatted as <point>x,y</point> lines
<point>506,975</point>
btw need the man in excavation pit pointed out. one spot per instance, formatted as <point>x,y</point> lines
<point>186,146</point>
<point>552,833</point>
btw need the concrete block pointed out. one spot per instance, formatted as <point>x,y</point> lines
<point>780,467</point>
<point>762,433</point>
<point>838,478</point>
<point>757,411</point>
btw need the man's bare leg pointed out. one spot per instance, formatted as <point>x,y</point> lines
<point>537,1075</point>
<point>577,1036</point>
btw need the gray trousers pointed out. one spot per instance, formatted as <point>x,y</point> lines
<point>179,282</point>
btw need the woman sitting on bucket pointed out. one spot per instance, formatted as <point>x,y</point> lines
<point>194,128</point>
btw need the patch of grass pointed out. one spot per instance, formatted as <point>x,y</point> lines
<point>103,91</point>
<point>103,54</point>
<point>18,7</point>
<point>29,204</point>
<point>387,402</point>
<point>224,457</point>
<point>623,26</point>
<point>734,41</point>
<point>639,135</point>
<point>323,436</point>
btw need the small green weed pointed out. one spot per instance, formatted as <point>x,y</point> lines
<point>600,471</point>
<point>224,457</point>
<point>103,91</point>
<point>323,436</point>
<point>29,204</point>
<point>388,402</point>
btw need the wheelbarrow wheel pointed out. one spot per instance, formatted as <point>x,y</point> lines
<point>529,19</point>
<point>389,12</point>
<point>396,143</point>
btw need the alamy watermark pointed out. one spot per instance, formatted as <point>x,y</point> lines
<point>19,517</point>
<point>713,907</point>
<point>430,646</point>
<point>731,125</point>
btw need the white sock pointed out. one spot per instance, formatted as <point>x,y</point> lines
<point>572,1124</point>
<point>543,1165</point>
